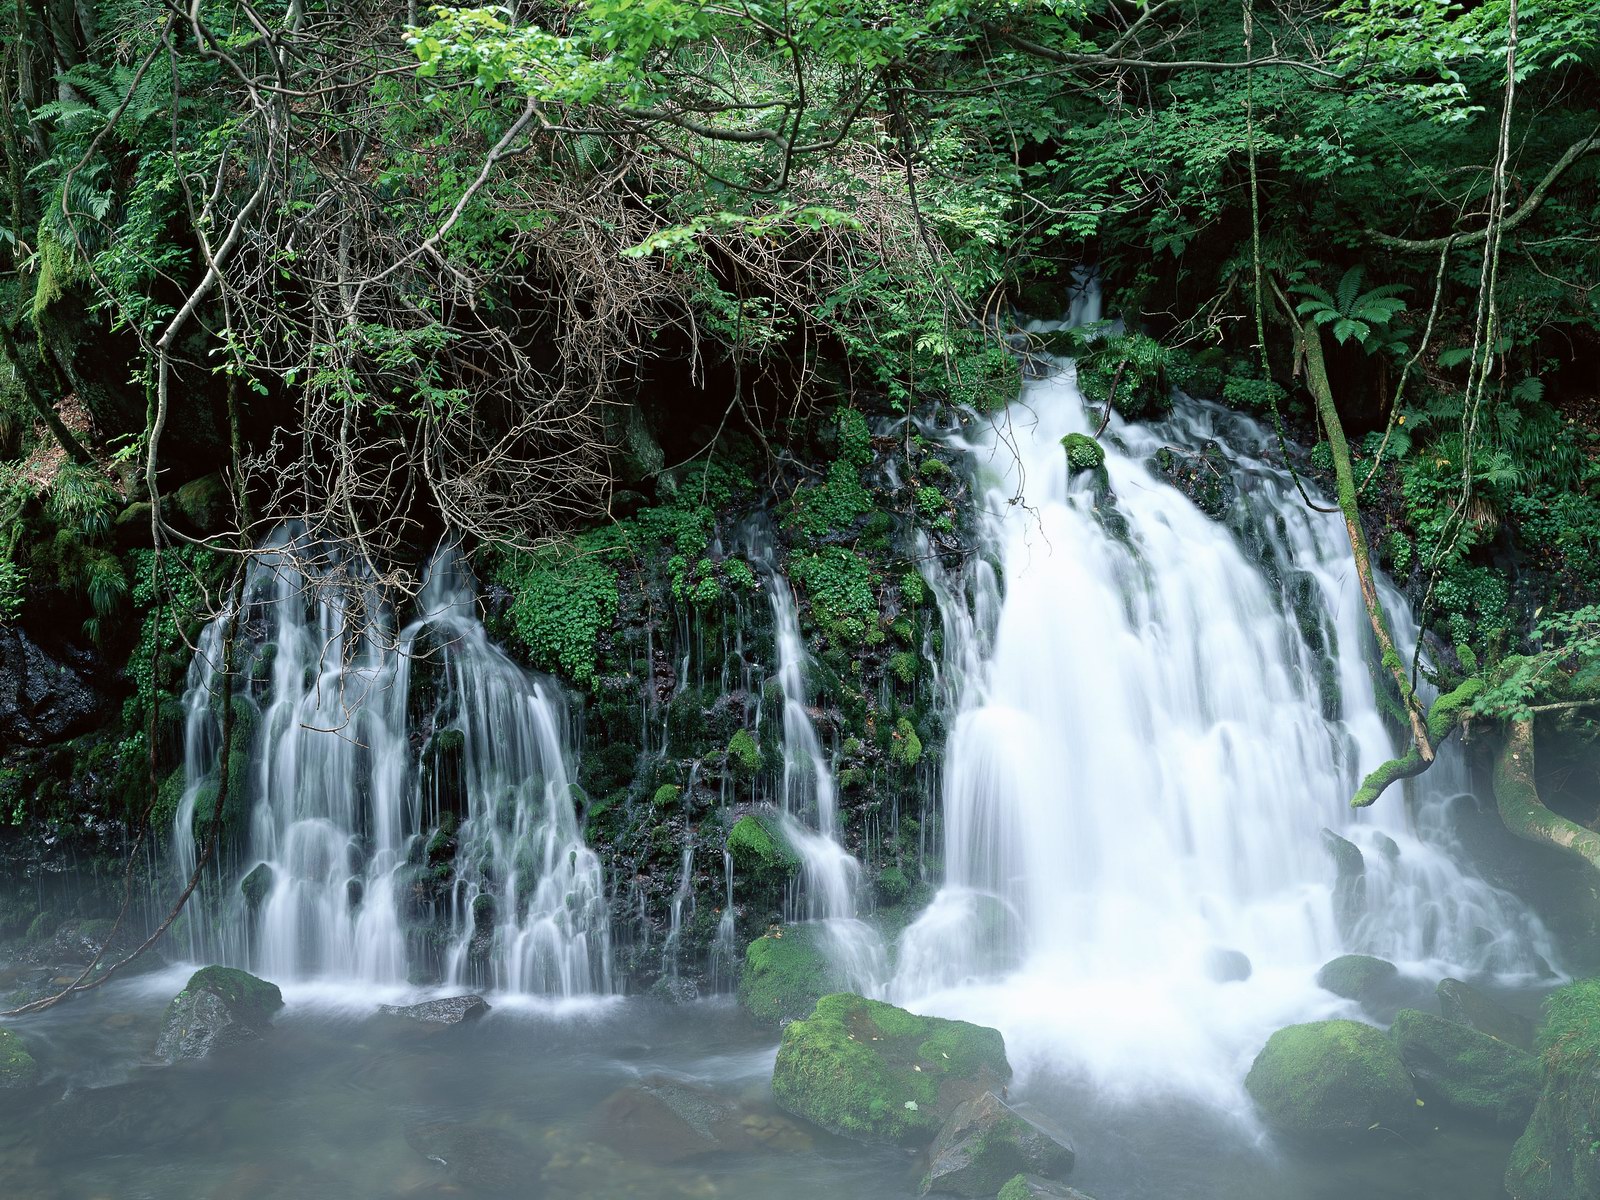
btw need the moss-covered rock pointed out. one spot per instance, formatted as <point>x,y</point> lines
<point>1331,1079</point>
<point>219,1007</point>
<point>785,974</point>
<point>1558,1155</point>
<point>744,754</point>
<point>1033,1187</point>
<point>876,1073</point>
<point>1083,453</point>
<point>985,1143</point>
<point>256,886</point>
<point>17,1067</point>
<point>1356,976</point>
<point>1467,1070</point>
<point>763,863</point>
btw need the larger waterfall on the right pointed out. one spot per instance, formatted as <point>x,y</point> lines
<point>1163,709</point>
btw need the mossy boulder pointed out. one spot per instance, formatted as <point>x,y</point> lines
<point>1083,453</point>
<point>1357,976</point>
<point>1558,1155</point>
<point>744,754</point>
<point>785,974</point>
<point>1466,1070</point>
<point>869,1071</point>
<point>985,1143</point>
<point>1330,1080</point>
<point>17,1067</point>
<point>1032,1187</point>
<point>256,886</point>
<point>220,1007</point>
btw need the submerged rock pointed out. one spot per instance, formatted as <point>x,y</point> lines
<point>661,1120</point>
<point>447,1010</point>
<point>1466,1070</point>
<point>867,1070</point>
<point>219,1007</point>
<point>1555,1158</point>
<point>489,1161</point>
<point>1466,1005</point>
<point>1331,1079</point>
<point>1357,976</point>
<point>985,1143</point>
<point>17,1067</point>
<point>785,974</point>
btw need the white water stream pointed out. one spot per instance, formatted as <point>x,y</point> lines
<point>341,808</point>
<point>1141,764</point>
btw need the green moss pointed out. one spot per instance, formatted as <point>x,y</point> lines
<point>1467,1070</point>
<point>877,1073</point>
<point>563,597</point>
<point>905,747</point>
<point>903,664</point>
<point>842,588</point>
<point>244,994</point>
<point>17,1067</point>
<point>1331,1079</point>
<point>1083,452</point>
<point>758,849</point>
<point>1356,976</point>
<point>785,974</point>
<point>256,886</point>
<point>892,885</point>
<point>1016,1188</point>
<point>744,754</point>
<point>666,795</point>
<point>1558,1155</point>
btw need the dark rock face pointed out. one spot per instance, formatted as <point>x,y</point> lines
<point>1466,1005</point>
<point>45,697</point>
<point>662,1120</point>
<point>448,1010</point>
<point>1467,1070</point>
<point>1350,883</point>
<point>985,1143</point>
<point>220,1007</point>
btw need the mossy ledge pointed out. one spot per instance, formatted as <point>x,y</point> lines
<point>869,1071</point>
<point>785,974</point>
<point>1558,1155</point>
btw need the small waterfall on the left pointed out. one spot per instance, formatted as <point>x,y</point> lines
<point>830,876</point>
<point>409,791</point>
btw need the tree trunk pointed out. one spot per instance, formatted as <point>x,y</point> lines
<point>1517,796</point>
<point>1322,392</point>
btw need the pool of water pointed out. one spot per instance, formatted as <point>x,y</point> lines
<point>540,1100</point>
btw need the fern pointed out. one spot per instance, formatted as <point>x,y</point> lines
<point>1353,313</point>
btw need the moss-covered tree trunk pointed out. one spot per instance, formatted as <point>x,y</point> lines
<point>1517,796</point>
<point>1322,393</point>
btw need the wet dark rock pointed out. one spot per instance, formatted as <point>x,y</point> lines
<point>256,886</point>
<point>46,696</point>
<point>1204,475</point>
<point>675,989</point>
<point>1227,966</point>
<point>489,1161</point>
<point>447,1010</point>
<point>1350,882</point>
<point>1358,977</point>
<point>1466,1070</point>
<point>1466,1005</point>
<point>203,504</point>
<point>221,1007</point>
<point>985,1143</point>
<point>661,1120</point>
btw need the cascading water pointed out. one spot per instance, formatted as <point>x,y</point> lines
<point>1155,724</point>
<point>830,876</point>
<point>353,819</point>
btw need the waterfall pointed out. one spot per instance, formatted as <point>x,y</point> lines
<point>830,876</point>
<point>1154,724</point>
<point>410,794</point>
